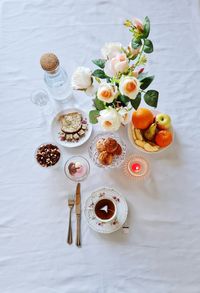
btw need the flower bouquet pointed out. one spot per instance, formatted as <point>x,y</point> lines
<point>119,84</point>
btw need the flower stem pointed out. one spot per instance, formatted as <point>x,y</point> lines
<point>139,56</point>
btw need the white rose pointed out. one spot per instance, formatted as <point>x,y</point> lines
<point>91,90</point>
<point>119,63</point>
<point>81,78</point>
<point>129,86</point>
<point>124,114</point>
<point>109,119</point>
<point>107,92</point>
<point>111,49</point>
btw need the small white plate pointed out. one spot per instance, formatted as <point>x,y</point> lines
<point>117,222</point>
<point>56,128</point>
<point>155,112</point>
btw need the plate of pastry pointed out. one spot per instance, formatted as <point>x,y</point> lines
<point>70,127</point>
<point>107,150</point>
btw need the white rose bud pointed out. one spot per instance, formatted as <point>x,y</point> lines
<point>81,78</point>
<point>129,86</point>
<point>109,119</point>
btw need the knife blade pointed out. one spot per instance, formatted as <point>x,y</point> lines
<point>78,199</point>
<point>78,215</point>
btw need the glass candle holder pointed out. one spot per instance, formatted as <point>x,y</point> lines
<point>136,167</point>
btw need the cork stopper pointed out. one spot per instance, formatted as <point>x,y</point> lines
<point>49,62</point>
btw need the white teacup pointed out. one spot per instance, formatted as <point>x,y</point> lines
<point>105,209</point>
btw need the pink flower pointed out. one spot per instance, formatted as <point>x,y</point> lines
<point>138,24</point>
<point>117,64</point>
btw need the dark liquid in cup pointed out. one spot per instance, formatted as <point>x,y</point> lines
<point>109,209</point>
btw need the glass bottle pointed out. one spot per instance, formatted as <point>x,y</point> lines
<point>55,77</point>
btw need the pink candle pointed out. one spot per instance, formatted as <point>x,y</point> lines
<point>136,167</point>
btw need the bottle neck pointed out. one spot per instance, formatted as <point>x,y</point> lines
<point>54,72</point>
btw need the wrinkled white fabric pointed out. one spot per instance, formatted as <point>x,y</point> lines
<point>161,253</point>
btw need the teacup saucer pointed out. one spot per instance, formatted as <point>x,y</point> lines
<point>121,215</point>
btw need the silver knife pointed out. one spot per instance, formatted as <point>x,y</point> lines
<point>78,214</point>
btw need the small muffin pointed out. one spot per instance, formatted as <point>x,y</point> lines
<point>100,145</point>
<point>110,145</point>
<point>105,158</point>
<point>118,151</point>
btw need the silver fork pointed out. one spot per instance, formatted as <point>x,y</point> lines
<point>70,205</point>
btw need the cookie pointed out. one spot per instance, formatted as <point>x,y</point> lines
<point>118,151</point>
<point>100,146</point>
<point>110,145</point>
<point>105,158</point>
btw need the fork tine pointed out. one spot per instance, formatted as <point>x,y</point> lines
<point>70,200</point>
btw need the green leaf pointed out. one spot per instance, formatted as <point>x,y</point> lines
<point>142,75</point>
<point>99,73</point>
<point>123,99</point>
<point>99,105</point>
<point>145,82</point>
<point>146,27</point>
<point>93,114</point>
<point>136,43</point>
<point>136,102</point>
<point>99,62</point>
<point>151,98</point>
<point>148,46</point>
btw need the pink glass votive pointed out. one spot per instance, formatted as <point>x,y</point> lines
<point>136,167</point>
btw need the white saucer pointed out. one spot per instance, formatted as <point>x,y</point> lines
<point>56,128</point>
<point>115,224</point>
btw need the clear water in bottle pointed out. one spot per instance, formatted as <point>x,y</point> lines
<point>58,84</point>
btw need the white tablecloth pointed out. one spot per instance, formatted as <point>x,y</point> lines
<point>161,253</point>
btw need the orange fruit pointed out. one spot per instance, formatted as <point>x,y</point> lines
<point>142,118</point>
<point>163,138</point>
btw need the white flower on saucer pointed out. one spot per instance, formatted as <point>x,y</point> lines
<point>109,119</point>
<point>107,92</point>
<point>129,86</point>
<point>81,78</point>
<point>124,115</point>
<point>119,63</point>
<point>110,50</point>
